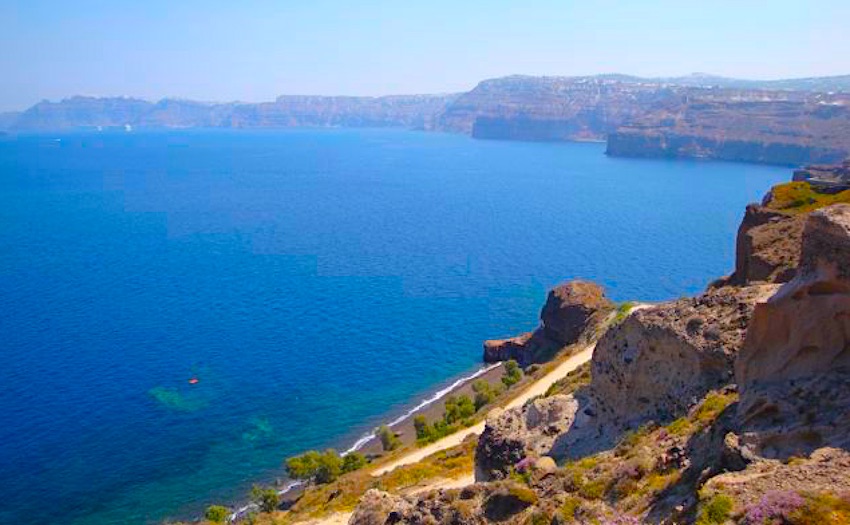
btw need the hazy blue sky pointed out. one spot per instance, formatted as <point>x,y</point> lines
<point>255,50</point>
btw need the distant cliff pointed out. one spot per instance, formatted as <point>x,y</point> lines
<point>415,111</point>
<point>789,122</point>
<point>550,108</point>
<point>754,126</point>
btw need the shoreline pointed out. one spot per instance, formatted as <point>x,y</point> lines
<point>568,359</point>
<point>369,445</point>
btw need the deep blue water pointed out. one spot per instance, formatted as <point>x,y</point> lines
<point>316,282</point>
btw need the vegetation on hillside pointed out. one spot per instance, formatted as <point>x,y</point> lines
<point>802,197</point>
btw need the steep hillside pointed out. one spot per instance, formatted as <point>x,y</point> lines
<point>730,407</point>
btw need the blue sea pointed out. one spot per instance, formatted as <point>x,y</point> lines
<point>315,282</point>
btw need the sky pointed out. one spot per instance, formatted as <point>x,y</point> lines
<point>253,51</point>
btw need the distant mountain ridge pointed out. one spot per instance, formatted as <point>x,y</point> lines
<point>793,121</point>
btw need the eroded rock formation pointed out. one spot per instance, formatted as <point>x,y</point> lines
<point>767,247</point>
<point>794,370</point>
<point>662,360</point>
<point>571,310</point>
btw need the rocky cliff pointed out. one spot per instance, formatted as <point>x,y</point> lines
<point>731,407</point>
<point>571,310</point>
<point>791,122</point>
<point>416,111</point>
<point>765,127</point>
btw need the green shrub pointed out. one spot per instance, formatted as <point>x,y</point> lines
<point>512,374</point>
<point>485,393</point>
<point>389,440</point>
<point>623,310</point>
<point>321,467</point>
<point>458,408</point>
<point>353,461</point>
<point>711,407</point>
<point>593,489</point>
<point>423,429</point>
<point>216,513</point>
<point>824,508</point>
<point>266,498</point>
<point>523,494</point>
<point>680,427</point>
<point>715,511</point>
<point>569,508</point>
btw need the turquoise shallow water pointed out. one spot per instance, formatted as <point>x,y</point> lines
<point>316,282</point>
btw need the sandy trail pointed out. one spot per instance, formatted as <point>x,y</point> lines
<point>537,388</point>
<point>341,518</point>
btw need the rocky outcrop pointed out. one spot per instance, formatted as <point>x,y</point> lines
<point>377,507</point>
<point>511,436</point>
<point>571,310</point>
<point>662,360</point>
<point>794,368</point>
<point>767,248</point>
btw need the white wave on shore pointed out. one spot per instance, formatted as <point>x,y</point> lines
<point>361,442</point>
<point>243,511</point>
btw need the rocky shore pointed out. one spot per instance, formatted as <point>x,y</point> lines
<point>729,407</point>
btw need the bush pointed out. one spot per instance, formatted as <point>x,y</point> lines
<point>623,310</point>
<point>266,498</point>
<point>458,408</point>
<point>523,494</point>
<point>569,509</point>
<point>512,374</point>
<point>389,440</point>
<point>317,466</point>
<point>353,461</point>
<point>823,508</point>
<point>773,506</point>
<point>216,513</point>
<point>485,393</point>
<point>715,511</point>
<point>425,433</point>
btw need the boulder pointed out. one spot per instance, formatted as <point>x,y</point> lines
<point>522,432</point>
<point>793,370</point>
<point>377,507</point>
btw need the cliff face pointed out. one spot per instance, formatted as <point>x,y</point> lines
<point>800,339</point>
<point>82,112</point>
<point>550,108</point>
<point>765,127</point>
<point>416,111</point>
<point>733,406</point>
<point>571,310</point>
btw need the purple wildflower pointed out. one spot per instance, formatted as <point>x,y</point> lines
<point>774,507</point>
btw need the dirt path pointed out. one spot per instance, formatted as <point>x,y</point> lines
<point>537,388</point>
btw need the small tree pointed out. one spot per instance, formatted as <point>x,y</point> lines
<point>389,441</point>
<point>266,498</point>
<point>216,513</point>
<point>485,393</point>
<point>423,429</point>
<point>458,408</point>
<point>353,461</point>
<point>321,467</point>
<point>329,467</point>
<point>303,466</point>
<point>512,374</point>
